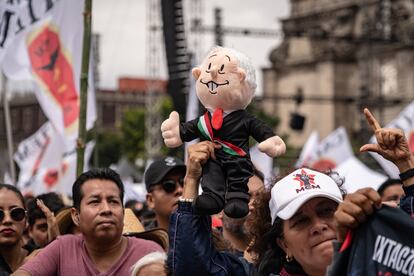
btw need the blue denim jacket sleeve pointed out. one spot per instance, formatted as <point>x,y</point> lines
<point>407,202</point>
<point>192,250</point>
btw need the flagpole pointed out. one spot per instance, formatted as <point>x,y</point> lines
<point>87,30</point>
<point>8,129</point>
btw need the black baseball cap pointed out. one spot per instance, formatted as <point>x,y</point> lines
<point>160,168</point>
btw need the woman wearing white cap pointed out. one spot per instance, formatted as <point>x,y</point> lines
<point>293,225</point>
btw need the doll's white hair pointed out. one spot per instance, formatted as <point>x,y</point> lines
<point>150,258</point>
<point>245,63</point>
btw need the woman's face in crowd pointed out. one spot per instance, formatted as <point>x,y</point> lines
<point>11,231</point>
<point>308,235</point>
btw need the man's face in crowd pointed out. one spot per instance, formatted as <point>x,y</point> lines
<point>38,232</point>
<point>165,202</point>
<point>255,184</point>
<point>393,193</point>
<point>101,212</point>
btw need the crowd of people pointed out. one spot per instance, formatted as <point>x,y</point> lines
<point>301,225</point>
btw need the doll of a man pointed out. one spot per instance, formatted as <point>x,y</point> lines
<point>225,86</point>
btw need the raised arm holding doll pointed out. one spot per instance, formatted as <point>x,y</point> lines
<point>225,86</point>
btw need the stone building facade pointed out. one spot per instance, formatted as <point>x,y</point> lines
<point>340,56</point>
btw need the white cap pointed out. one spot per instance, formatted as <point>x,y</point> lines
<point>292,191</point>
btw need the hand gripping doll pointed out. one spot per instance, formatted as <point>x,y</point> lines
<point>225,86</point>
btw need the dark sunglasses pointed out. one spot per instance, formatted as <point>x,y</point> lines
<point>170,185</point>
<point>17,214</point>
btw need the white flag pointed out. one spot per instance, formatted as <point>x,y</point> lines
<point>332,151</point>
<point>404,121</point>
<point>263,163</point>
<point>309,150</point>
<point>358,175</point>
<point>45,164</point>
<point>48,50</point>
<point>60,177</point>
<point>9,23</point>
<point>43,149</point>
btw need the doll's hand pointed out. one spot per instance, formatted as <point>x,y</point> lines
<point>170,130</point>
<point>273,146</point>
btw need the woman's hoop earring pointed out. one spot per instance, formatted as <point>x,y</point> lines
<point>289,258</point>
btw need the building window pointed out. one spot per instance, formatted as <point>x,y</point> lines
<point>108,115</point>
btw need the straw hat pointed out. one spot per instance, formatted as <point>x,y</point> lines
<point>134,228</point>
<point>64,221</point>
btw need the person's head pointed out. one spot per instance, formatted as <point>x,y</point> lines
<point>37,219</point>
<point>295,223</point>
<point>152,264</point>
<point>255,185</point>
<point>12,216</point>
<point>226,79</point>
<point>164,180</point>
<point>98,208</point>
<point>391,190</point>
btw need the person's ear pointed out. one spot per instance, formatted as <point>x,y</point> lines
<point>241,73</point>
<point>150,201</point>
<point>75,216</point>
<point>196,72</point>
<point>282,244</point>
<point>30,231</point>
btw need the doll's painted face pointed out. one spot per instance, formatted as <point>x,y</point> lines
<point>221,82</point>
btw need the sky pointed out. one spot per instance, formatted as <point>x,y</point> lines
<point>122,26</point>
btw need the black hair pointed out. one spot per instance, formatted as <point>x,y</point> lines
<point>15,190</point>
<point>99,173</point>
<point>51,200</point>
<point>258,173</point>
<point>274,258</point>
<point>387,183</point>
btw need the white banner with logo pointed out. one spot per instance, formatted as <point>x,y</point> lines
<point>332,151</point>
<point>42,149</point>
<point>45,164</point>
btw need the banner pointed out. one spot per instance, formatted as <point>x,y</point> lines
<point>335,152</point>
<point>358,175</point>
<point>332,151</point>
<point>45,164</point>
<point>47,48</point>
<point>309,150</point>
<point>404,121</point>
<point>42,149</point>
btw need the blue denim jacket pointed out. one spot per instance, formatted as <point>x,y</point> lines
<point>192,250</point>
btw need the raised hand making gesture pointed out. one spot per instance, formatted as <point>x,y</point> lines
<point>391,144</point>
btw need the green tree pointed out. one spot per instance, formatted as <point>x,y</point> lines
<point>134,132</point>
<point>108,145</point>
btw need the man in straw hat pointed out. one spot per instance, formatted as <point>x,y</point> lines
<point>98,212</point>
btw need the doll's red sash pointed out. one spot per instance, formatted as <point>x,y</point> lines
<point>204,126</point>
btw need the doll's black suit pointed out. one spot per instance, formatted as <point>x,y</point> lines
<point>232,165</point>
